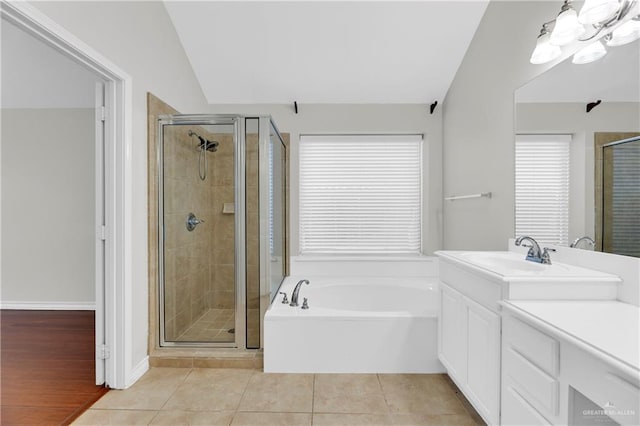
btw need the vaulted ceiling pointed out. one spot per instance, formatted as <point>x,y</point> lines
<point>325,51</point>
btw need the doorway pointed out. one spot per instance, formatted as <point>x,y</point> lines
<point>104,178</point>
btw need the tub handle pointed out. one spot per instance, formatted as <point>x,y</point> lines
<point>284,297</point>
<point>305,305</point>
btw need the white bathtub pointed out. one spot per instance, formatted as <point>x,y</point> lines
<point>354,325</point>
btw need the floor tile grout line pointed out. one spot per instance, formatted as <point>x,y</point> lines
<point>186,376</point>
<point>236,411</point>
<point>384,394</point>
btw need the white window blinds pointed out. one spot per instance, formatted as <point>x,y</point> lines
<point>542,187</point>
<point>360,194</point>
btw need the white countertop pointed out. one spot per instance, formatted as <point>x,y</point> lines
<point>611,328</point>
<point>512,267</point>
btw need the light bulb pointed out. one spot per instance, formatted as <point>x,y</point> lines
<point>544,51</point>
<point>597,11</point>
<point>567,28</point>
<point>591,53</point>
<point>624,34</point>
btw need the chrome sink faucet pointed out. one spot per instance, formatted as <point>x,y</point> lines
<point>296,291</point>
<point>534,254</point>
<point>577,241</point>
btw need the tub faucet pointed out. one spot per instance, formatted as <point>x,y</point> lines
<point>296,291</point>
<point>534,254</point>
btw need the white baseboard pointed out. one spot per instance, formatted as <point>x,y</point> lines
<point>49,306</point>
<point>138,371</point>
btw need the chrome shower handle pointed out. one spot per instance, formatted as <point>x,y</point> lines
<point>193,221</point>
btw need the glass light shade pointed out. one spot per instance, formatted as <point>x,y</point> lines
<point>595,11</point>
<point>625,33</point>
<point>591,53</point>
<point>567,28</point>
<point>544,51</point>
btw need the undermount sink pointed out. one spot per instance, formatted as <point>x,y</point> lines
<point>520,279</point>
<point>513,267</point>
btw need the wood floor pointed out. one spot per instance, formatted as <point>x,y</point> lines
<point>47,366</point>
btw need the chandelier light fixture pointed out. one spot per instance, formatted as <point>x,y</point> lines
<point>595,17</point>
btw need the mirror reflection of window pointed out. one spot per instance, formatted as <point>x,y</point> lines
<point>542,187</point>
<point>621,197</point>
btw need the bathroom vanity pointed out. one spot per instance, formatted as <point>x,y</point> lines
<point>570,362</point>
<point>527,343</point>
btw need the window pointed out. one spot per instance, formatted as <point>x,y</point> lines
<point>542,187</point>
<point>360,194</point>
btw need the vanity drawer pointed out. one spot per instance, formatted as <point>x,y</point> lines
<point>618,395</point>
<point>535,346</point>
<point>535,385</point>
<point>517,411</point>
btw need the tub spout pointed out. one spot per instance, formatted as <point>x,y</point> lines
<point>296,291</point>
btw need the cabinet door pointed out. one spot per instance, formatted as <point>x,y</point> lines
<point>452,349</point>
<point>483,360</point>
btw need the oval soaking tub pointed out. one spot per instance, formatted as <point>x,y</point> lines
<point>354,325</point>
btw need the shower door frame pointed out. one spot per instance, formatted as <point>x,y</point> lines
<point>239,223</point>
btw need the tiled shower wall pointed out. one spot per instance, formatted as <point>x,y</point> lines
<point>188,255</point>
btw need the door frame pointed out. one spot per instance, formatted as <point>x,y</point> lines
<point>117,309</point>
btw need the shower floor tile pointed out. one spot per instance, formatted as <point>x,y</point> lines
<point>212,326</point>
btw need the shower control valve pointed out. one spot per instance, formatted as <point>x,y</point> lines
<point>192,222</point>
<point>284,297</point>
<point>305,305</point>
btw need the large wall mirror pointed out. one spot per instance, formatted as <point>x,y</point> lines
<point>601,198</point>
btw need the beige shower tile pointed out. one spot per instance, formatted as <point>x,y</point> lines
<point>278,393</point>
<point>348,393</point>
<point>115,417</point>
<point>148,393</point>
<point>271,419</point>
<point>420,393</point>
<point>195,418</point>
<point>210,390</point>
<point>324,419</point>
<point>171,362</point>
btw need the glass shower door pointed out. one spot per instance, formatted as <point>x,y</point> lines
<point>197,253</point>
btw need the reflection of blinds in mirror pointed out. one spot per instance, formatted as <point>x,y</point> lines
<point>542,187</point>
<point>622,198</point>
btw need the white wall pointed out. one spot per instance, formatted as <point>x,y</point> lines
<point>343,118</point>
<point>478,125</point>
<point>571,118</point>
<point>48,205</point>
<point>140,39</point>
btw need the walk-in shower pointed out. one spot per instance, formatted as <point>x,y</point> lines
<point>221,226</point>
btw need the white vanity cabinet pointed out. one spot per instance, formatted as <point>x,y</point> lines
<point>469,341</point>
<point>561,364</point>
<point>510,372</point>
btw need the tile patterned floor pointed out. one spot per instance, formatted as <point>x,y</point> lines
<point>212,326</point>
<point>184,396</point>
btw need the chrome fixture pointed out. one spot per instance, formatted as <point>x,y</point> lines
<point>595,17</point>
<point>546,259</point>
<point>534,254</point>
<point>284,297</point>
<point>192,222</point>
<point>204,146</point>
<point>296,291</point>
<point>305,305</point>
<point>577,241</point>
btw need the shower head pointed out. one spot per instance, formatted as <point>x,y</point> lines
<point>211,146</point>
